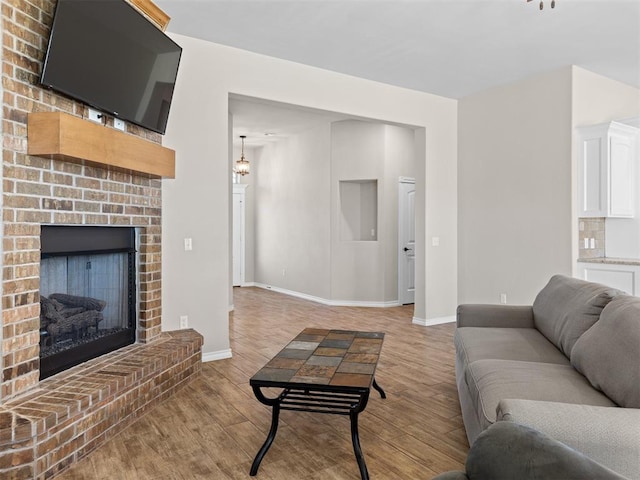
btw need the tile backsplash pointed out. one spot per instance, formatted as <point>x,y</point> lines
<point>591,237</point>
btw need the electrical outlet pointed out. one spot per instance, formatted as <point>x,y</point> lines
<point>95,116</point>
<point>184,321</point>
<point>503,298</point>
<point>119,124</point>
<point>188,244</point>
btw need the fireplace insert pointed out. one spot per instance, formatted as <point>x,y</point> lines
<point>87,294</point>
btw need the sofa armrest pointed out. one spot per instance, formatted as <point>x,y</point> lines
<point>479,315</point>
<point>608,435</point>
<point>508,451</point>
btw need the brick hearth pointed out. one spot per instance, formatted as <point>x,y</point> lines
<point>46,425</point>
<point>72,413</point>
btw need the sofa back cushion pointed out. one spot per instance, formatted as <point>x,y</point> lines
<point>608,354</point>
<point>567,307</point>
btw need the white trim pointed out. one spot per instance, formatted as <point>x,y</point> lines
<point>433,321</point>
<point>406,180</point>
<point>232,307</point>
<point>324,301</point>
<point>358,303</point>
<point>219,355</point>
<point>239,189</point>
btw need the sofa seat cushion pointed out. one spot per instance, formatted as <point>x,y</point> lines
<point>608,354</point>
<point>525,344</point>
<point>567,307</point>
<point>490,381</point>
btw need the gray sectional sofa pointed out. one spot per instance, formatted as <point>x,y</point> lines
<point>567,366</point>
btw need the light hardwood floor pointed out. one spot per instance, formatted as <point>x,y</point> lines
<point>213,427</point>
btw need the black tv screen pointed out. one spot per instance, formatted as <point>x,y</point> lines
<point>106,54</point>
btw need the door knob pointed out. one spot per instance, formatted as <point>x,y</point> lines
<point>406,249</point>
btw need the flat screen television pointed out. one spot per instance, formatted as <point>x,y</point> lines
<point>107,55</point>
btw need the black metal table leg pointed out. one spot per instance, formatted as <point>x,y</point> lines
<point>355,438</point>
<point>379,389</point>
<point>332,393</point>
<point>274,403</point>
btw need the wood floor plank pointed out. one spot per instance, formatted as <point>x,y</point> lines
<point>214,426</point>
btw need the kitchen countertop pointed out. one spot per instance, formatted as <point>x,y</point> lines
<point>611,260</point>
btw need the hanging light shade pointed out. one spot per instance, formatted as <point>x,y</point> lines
<point>242,165</point>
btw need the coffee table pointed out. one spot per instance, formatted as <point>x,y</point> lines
<point>321,371</point>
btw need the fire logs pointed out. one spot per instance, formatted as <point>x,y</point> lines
<point>63,314</point>
<point>71,301</point>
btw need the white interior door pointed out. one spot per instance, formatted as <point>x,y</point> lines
<point>238,236</point>
<point>406,242</point>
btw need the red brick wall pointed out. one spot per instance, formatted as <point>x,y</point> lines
<point>40,191</point>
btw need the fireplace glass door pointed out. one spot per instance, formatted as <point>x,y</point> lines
<point>86,304</point>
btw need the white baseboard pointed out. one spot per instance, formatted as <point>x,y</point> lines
<point>219,355</point>
<point>325,301</point>
<point>357,303</point>
<point>433,321</point>
<point>232,307</point>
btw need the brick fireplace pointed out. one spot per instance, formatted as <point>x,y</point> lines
<point>46,425</point>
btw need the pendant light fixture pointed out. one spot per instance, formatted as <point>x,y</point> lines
<point>242,165</point>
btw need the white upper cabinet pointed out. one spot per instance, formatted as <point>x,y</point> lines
<point>607,165</point>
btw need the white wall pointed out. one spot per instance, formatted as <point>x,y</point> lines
<point>357,266</point>
<point>514,183</point>
<point>367,271</point>
<point>518,179</point>
<point>292,235</point>
<point>597,99</point>
<point>300,232</point>
<point>399,162</point>
<point>196,202</point>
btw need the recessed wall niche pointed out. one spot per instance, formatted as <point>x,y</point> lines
<point>358,210</point>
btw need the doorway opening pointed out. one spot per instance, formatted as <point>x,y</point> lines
<point>299,238</point>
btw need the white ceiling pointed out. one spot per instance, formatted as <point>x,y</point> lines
<point>451,48</point>
<point>263,121</point>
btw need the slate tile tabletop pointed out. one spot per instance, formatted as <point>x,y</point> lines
<point>324,357</point>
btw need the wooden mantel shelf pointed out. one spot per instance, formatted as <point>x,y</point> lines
<point>66,137</point>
